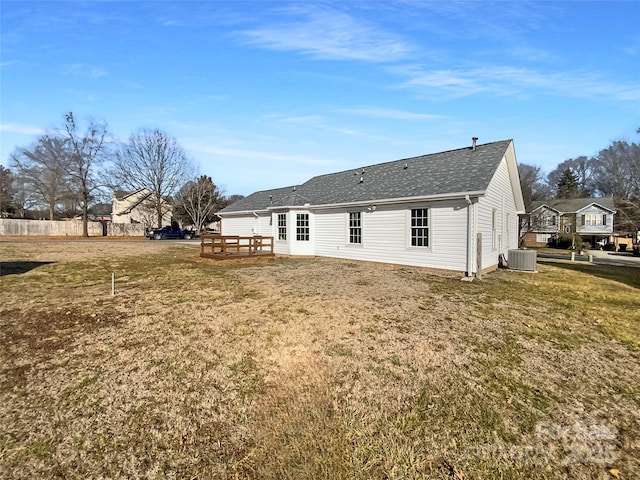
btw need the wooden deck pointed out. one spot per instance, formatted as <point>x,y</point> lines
<point>223,247</point>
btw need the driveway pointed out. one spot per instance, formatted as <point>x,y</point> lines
<point>600,257</point>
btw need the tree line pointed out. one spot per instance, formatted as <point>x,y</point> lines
<point>71,169</point>
<point>613,172</point>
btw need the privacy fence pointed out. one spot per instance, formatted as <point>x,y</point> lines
<point>70,228</point>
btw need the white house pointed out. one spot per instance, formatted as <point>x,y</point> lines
<point>455,210</point>
<point>138,207</point>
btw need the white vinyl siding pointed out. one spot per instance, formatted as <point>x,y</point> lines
<point>247,226</point>
<point>386,235</point>
<point>494,226</point>
<point>497,237</point>
<point>242,226</point>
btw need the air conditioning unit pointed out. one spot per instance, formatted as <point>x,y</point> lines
<point>522,260</point>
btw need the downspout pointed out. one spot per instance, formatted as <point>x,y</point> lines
<point>470,239</point>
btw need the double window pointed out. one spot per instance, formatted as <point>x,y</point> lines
<point>302,227</point>
<point>420,227</point>
<point>592,219</point>
<point>355,228</point>
<point>282,226</point>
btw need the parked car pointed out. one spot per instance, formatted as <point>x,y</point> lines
<point>636,249</point>
<point>170,233</point>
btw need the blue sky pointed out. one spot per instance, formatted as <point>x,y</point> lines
<point>268,94</point>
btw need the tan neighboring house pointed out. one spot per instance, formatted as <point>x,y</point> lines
<point>590,220</point>
<point>138,207</point>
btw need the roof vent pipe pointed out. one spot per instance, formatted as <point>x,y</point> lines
<point>473,144</point>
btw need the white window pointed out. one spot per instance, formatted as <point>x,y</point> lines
<point>282,226</point>
<point>302,227</point>
<point>420,227</point>
<point>593,219</point>
<point>542,237</point>
<point>355,227</point>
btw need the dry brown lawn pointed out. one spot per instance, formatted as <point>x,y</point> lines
<point>311,368</point>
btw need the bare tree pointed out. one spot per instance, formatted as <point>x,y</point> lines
<point>231,199</point>
<point>155,161</point>
<point>628,216</point>
<point>42,172</point>
<point>199,200</point>
<point>87,151</point>
<point>533,185</point>
<point>582,169</point>
<point>618,170</point>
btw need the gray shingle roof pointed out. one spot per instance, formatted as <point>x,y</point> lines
<point>572,205</point>
<point>452,172</point>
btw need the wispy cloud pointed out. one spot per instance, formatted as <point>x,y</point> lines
<point>310,120</point>
<point>318,122</point>
<point>238,153</point>
<point>86,70</point>
<point>515,81</point>
<point>330,34</point>
<point>392,114</point>
<point>21,129</point>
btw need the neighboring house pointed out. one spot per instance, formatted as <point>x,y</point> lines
<point>589,219</point>
<point>456,210</point>
<point>138,207</point>
<point>100,212</point>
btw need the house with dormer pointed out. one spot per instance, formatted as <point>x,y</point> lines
<point>455,210</point>
<point>590,220</point>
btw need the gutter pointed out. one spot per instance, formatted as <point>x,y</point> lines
<point>470,235</point>
<point>384,201</point>
<point>387,201</point>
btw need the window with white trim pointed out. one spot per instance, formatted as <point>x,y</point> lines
<point>594,219</point>
<point>282,226</point>
<point>302,227</point>
<point>542,237</point>
<point>355,227</point>
<point>420,227</point>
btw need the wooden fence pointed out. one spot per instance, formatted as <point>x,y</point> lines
<point>223,247</point>
<point>70,228</point>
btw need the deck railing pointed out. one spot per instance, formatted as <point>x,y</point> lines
<point>233,246</point>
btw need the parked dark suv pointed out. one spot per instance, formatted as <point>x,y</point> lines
<point>170,233</point>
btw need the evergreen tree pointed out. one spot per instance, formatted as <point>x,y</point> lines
<point>568,186</point>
